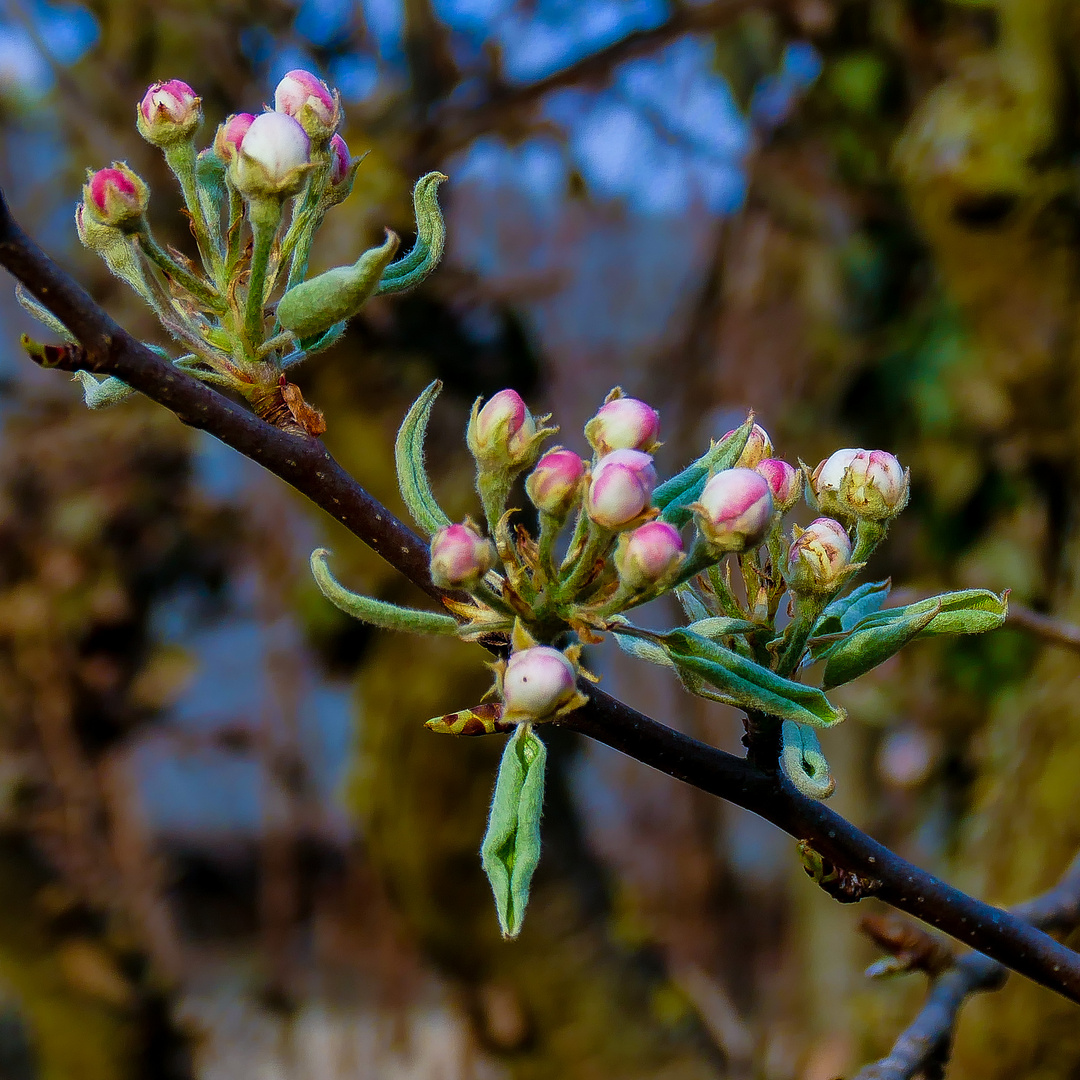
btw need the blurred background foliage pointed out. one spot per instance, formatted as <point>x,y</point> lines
<point>228,847</point>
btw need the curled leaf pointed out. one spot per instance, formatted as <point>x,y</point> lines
<point>430,239</point>
<point>511,848</point>
<point>969,611</point>
<point>409,459</point>
<point>376,612</point>
<point>314,306</point>
<point>803,762</point>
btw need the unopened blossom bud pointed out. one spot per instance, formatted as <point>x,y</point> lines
<point>650,555</point>
<point>624,423</point>
<point>340,160</point>
<point>856,483</point>
<point>621,488</point>
<point>169,112</point>
<point>818,557</point>
<point>735,509</point>
<point>758,447</point>
<point>783,480</point>
<point>536,683</point>
<point>460,557</point>
<point>503,433</point>
<point>231,134</point>
<point>554,486</point>
<point>307,99</point>
<point>115,196</point>
<point>274,157</point>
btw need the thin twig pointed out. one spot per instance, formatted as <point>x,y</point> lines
<point>867,867</point>
<point>924,1046</point>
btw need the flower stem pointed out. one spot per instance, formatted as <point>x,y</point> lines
<point>180,157</point>
<point>265,217</point>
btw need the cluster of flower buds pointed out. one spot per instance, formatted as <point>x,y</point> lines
<point>247,314</point>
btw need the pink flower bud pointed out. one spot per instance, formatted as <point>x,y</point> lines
<point>340,160</point>
<point>460,557</point>
<point>169,112</point>
<point>622,485</point>
<point>624,424</point>
<point>855,483</point>
<point>231,134</point>
<point>735,509</point>
<point>758,447</point>
<point>554,486</point>
<point>818,557</point>
<point>536,683</point>
<point>115,196</point>
<point>307,99</point>
<point>648,556</point>
<point>274,157</point>
<point>783,481</point>
<point>502,434</point>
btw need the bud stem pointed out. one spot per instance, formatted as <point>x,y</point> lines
<point>868,534</point>
<point>808,609</point>
<point>265,217</point>
<point>306,220</point>
<point>180,157</point>
<point>550,524</point>
<point>597,541</point>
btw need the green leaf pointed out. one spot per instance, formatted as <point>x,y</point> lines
<point>850,610</point>
<point>643,649</point>
<point>42,313</point>
<point>100,395</point>
<point>312,307</point>
<point>377,612</point>
<point>430,239</point>
<point>409,459</point>
<point>803,762</point>
<point>969,611</point>
<point>746,684</point>
<point>870,645</point>
<point>691,603</point>
<point>716,627</point>
<point>675,495</point>
<point>511,847</point>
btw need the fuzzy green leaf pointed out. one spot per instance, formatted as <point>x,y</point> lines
<point>868,646</point>
<point>100,395</point>
<point>42,313</point>
<point>430,239</point>
<point>377,612</point>
<point>314,306</point>
<point>716,627</point>
<point>803,762</point>
<point>969,611</point>
<point>746,684</point>
<point>409,459</point>
<point>511,847</point>
<point>675,495</point>
<point>643,649</point>
<point>847,612</point>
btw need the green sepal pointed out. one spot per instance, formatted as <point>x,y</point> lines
<point>377,612</point>
<point>744,683</point>
<point>410,270</point>
<point>803,762</point>
<point>847,612</point>
<point>867,647</point>
<point>969,611</point>
<point>675,495</point>
<point>100,395</point>
<point>511,847</point>
<point>409,460</point>
<point>312,307</point>
<point>42,313</point>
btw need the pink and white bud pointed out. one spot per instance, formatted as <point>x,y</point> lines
<point>536,683</point>
<point>169,112</point>
<point>783,480</point>
<point>554,486</point>
<point>818,557</point>
<point>621,488</point>
<point>624,423</point>
<point>503,433</point>
<point>340,160</point>
<point>231,134</point>
<point>460,557</point>
<point>855,483</point>
<point>758,447</point>
<point>307,99</point>
<point>115,196</point>
<point>650,555</point>
<point>735,510</point>
<point>274,157</point>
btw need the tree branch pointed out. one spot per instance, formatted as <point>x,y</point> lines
<point>925,1044</point>
<point>865,867</point>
